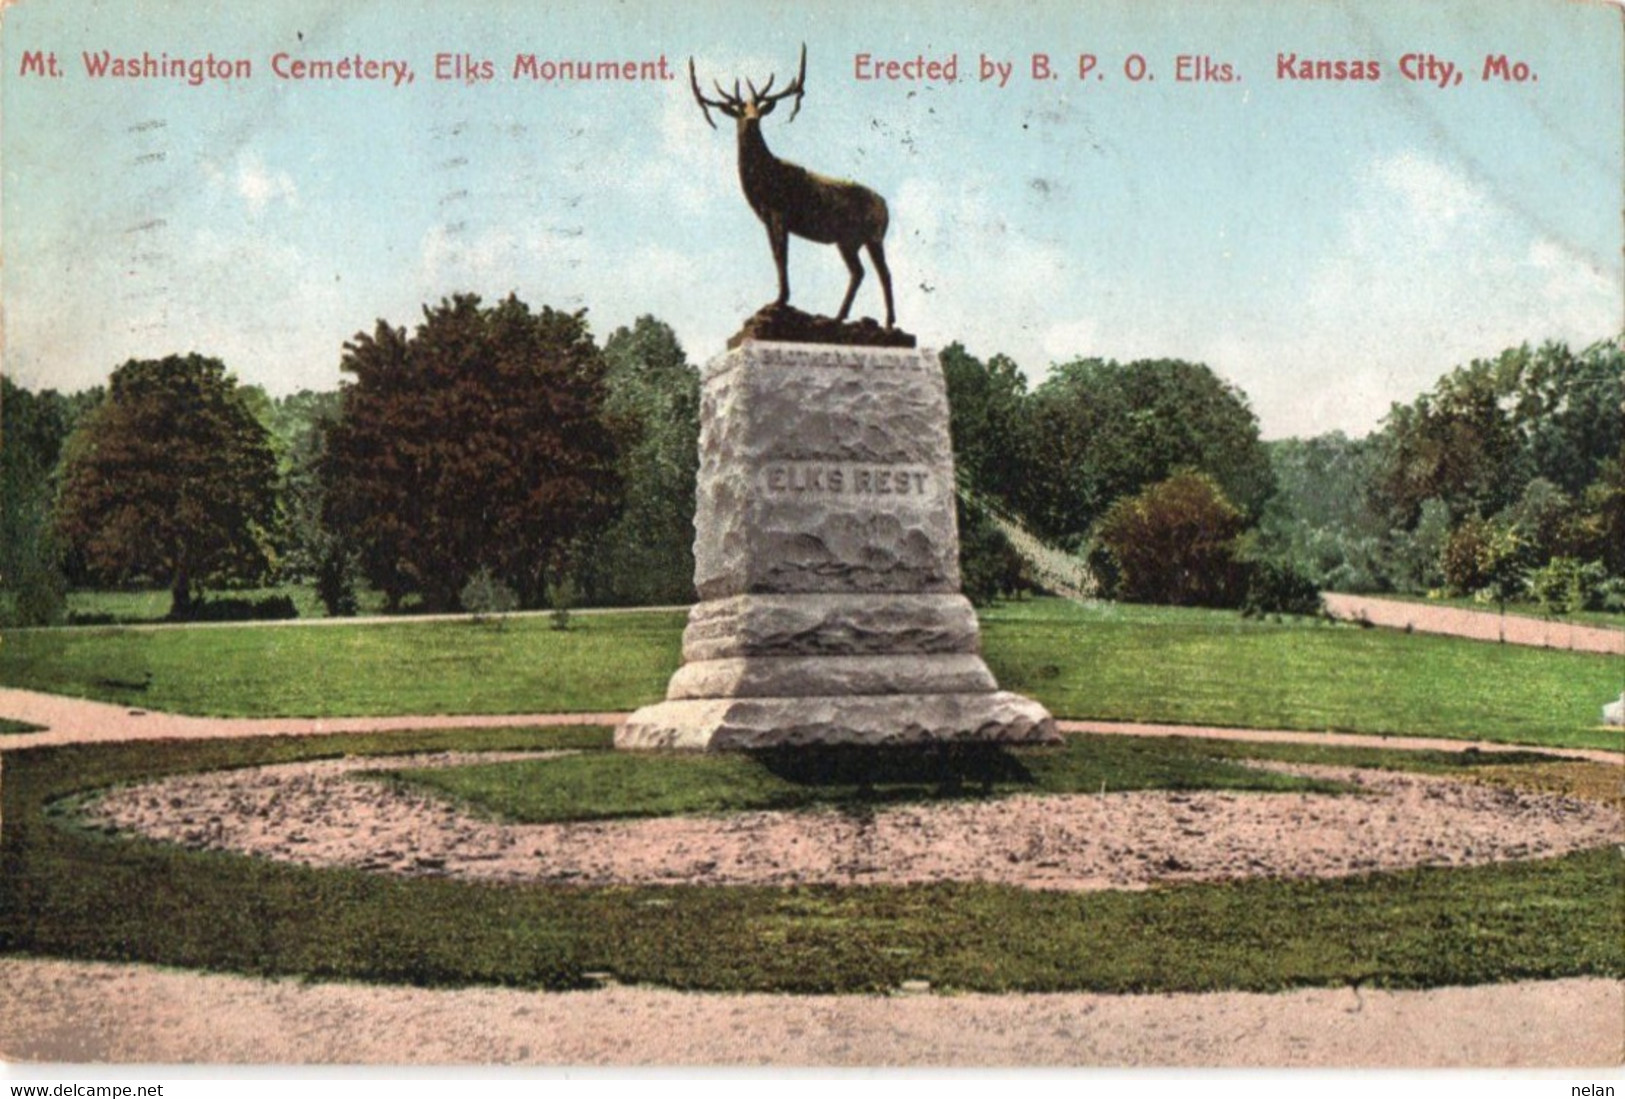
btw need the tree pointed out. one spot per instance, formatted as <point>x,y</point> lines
<point>1176,542</point>
<point>1318,522</point>
<point>171,478</point>
<point>476,442</point>
<point>1489,428</point>
<point>1568,409</point>
<point>652,403</point>
<point>988,423</point>
<point>298,425</point>
<point>1105,430</point>
<point>34,428</point>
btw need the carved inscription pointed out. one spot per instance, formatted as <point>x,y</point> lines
<point>899,484</point>
<point>867,359</point>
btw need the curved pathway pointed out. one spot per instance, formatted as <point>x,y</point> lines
<point>79,1012</point>
<point>1512,629</point>
<point>80,721</point>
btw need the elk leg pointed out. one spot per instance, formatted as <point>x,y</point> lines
<point>849,252</point>
<point>877,256</point>
<point>779,238</point>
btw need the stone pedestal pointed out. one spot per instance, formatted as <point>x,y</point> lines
<point>827,564</point>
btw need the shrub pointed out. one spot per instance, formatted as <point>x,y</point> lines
<point>271,608</point>
<point>484,596</point>
<point>989,567</point>
<point>1484,559</point>
<point>41,595</point>
<point>1564,585</point>
<point>1175,543</point>
<point>561,595</point>
<point>1277,588</point>
<point>335,581</point>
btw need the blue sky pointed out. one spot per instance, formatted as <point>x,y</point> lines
<point>1329,247</point>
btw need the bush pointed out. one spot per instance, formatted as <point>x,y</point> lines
<point>561,596</point>
<point>41,596</point>
<point>989,567</point>
<point>271,608</point>
<point>484,596</point>
<point>1277,588</point>
<point>335,581</point>
<point>1484,559</point>
<point>1175,543</point>
<point>1563,586</point>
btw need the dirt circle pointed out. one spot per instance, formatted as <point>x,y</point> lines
<point>328,813</point>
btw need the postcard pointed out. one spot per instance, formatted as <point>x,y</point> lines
<point>808,533</point>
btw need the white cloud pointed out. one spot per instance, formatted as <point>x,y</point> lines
<point>964,272</point>
<point>258,186</point>
<point>1427,272</point>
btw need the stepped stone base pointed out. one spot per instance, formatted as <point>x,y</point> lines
<point>731,724</point>
<point>827,561</point>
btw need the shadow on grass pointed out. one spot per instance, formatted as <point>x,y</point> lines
<point>873,773</point>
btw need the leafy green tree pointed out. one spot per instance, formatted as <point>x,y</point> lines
<point>298,425</point>
<point>171,478</point>
<point>1176,542</point>
<point>1489,428</point>
<point>988,423</point>
<point>1456,444</point>
<point>1318,524</point>
<point>34,428</point>
<point>1598,530</point>
<point>652,402</point>
<point>1104,430</point>
<point>1568,409</point>
<point>476,441</point>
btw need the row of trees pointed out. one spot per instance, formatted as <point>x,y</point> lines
<point>498,454</point>
<point>1153,470</point>
<point>493,446</point>
<point>1506,480</point>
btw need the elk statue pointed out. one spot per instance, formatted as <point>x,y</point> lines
<point>791,200</point>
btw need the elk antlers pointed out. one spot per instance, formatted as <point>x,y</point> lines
<point>760,102</point>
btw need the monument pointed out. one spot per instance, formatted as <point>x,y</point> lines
<point>826,550</point>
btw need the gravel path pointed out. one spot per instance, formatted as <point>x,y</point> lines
<point>1513,629</point>
<point>81,721</point>
<point>84,1012</point>
<point>321,813</point>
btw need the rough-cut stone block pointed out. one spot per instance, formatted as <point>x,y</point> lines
<point>767,676</point>
<point>824,470</point>
<point>848,625</point>
<point>744,723</point>
<point>827,562</point>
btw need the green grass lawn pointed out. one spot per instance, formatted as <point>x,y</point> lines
<point>67,891</point>
<point>610,662</point>
<point>1190,666</point>
<point>1105,661</point>
<point>608,785</point>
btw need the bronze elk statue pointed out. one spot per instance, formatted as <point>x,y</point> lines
<point>791,200</point>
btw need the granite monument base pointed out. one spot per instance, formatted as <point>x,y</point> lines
<point>827,564</point>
